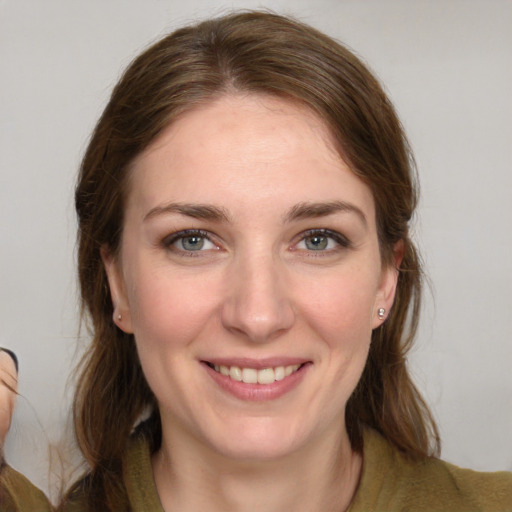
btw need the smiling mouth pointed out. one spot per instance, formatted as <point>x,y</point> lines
<point>256,376</point>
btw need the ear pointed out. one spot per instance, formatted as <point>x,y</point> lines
<point>387,287</point>
<point>121,316</point>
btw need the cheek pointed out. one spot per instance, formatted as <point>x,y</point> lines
<point>168,312</point>
<point>341,305</point>
<point>339,311</point>
<point>168,315</point>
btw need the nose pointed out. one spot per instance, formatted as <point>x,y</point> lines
<point>257,305</point>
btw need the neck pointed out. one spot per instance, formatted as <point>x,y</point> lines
<point>322,476</point>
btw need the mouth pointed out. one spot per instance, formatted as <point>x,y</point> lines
<point>263,376</point>
<point>253,380</point>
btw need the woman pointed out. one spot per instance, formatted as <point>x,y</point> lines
<point>245,261</point>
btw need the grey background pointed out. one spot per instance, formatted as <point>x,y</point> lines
<point>447,66</point>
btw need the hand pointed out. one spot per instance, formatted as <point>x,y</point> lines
<point>8,391</point>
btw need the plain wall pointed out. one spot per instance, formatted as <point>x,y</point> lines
<point>447,67</point>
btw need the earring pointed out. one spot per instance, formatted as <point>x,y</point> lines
<point>381,312</point>
<point>119,317</point>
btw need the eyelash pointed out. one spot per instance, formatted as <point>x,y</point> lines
<point>342,241</point>
<point>170,240</point>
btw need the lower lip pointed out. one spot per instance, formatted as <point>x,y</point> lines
<point>258,392</point>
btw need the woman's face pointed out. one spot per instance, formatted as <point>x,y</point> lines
<point>250,275</point>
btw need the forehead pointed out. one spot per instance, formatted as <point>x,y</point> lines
<point>247,149</point>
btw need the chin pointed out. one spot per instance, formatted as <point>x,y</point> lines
<point>256,450</point>
<point>258,439</point>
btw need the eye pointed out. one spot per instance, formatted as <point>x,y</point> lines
<point>318,242</point>
<point>190,240</point>
<point>322,240</point>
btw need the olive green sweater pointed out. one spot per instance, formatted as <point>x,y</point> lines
<point>389,483</point>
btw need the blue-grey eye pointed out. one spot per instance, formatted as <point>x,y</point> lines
<point>317,242</point>
<point>320,240</point>
<point>192,243</point>
<point>188,241</point>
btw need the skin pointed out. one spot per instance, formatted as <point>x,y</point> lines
<point>8,383</point>
<point>258,288</point>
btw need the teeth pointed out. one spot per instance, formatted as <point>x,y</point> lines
<point>250,375</point>
<point>266,376</point>
<point>235,373</point>
<point>253,376</point>
<point>279,373</point>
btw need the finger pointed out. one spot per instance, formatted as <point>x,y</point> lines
<point>13,357</point>
<point>8,390</point>
<point>8,370</point>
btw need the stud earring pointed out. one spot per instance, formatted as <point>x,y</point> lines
<point>118,317</point>
<point>381,312</point>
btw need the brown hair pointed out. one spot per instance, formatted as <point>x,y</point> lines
<point>256,52</point>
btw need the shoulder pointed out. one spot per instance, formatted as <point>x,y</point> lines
<point>101,491</point>
<point>18,494</point>
<point>458,489</point>
<point>130,488</point>
<point>487,491</point>
<point>390,481</point>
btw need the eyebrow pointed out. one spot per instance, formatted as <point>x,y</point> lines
<point>197,211</point>
<point>299,211</point>
<point>311,210</point>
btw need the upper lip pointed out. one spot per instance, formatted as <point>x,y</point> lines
<point>258,364</point>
